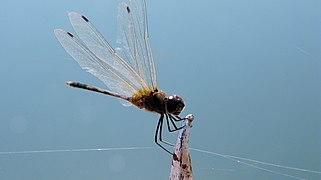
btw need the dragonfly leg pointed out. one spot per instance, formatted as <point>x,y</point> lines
<point>161,136</point>
<point>159,130</point>
<point>176,118</point>
<point>173,123</point>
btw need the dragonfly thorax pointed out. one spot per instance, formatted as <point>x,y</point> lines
<point>157,101</point>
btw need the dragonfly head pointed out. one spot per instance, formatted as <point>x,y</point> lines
<point>174,105</point>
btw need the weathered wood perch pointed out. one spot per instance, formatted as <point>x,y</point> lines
<point>181,162</point>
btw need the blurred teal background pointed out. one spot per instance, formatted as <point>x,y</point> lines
<point>248,70</point>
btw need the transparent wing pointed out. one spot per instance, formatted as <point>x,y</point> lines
<point>97,44</point>
<point>94,65</point>
<point>134,40</point>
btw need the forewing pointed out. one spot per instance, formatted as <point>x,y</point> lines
<point>93,64</point>
<point>134,39</point>
<point>97,44</point>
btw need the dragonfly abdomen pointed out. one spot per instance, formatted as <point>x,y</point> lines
<point>95,89</point>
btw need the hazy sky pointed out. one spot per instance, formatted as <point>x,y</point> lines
<point>248,70</point>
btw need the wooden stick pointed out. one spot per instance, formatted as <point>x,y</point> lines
<point>181,162</point>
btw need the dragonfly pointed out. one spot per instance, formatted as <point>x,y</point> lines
<point>129,71</point>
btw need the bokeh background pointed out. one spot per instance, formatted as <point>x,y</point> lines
<point>248,70</point>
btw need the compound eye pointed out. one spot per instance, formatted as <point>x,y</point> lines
<point>175,105</point>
